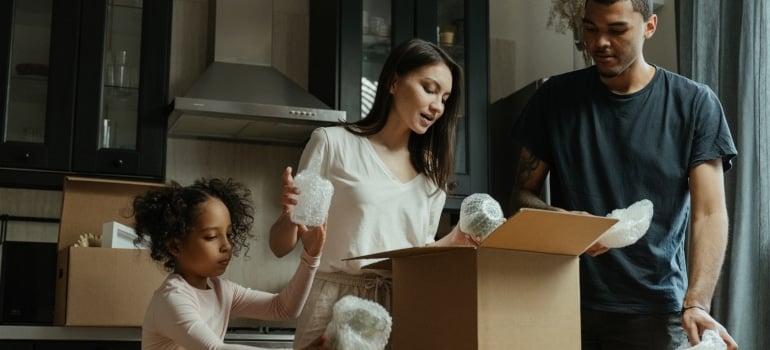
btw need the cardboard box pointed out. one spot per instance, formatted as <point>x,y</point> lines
<point>519,289</point>
<point>101,286</point>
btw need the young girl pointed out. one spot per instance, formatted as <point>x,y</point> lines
<point>389,173</point>
<point>194,231</point>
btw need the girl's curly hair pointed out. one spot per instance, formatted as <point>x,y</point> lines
<point>162,215</point>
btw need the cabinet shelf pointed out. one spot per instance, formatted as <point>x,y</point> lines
<point>29,89</point>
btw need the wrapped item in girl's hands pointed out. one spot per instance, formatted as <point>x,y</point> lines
<point>709,341</point>
<point>632,225</point>
<point>358,324</point>
<point>480,214</point>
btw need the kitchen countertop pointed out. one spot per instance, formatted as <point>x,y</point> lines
<point>117,334</point>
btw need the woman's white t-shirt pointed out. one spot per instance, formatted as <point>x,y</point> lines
<point>371,210</point>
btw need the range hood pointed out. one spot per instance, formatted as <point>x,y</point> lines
<point>251,102</point>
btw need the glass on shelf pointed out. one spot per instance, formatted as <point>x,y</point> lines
<point>451,38</point>
<point>120,78</point>
<point>28,84</point>
<point>126,3</point>
<point>376,43</point>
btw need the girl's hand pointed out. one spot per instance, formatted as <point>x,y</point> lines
<point>312,239</point>
<point>289,192</point>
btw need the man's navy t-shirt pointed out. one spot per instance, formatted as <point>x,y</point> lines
<point>607,151</point>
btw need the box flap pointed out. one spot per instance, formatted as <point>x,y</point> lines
<point>546,231</point>
<point>400,253</point>
<point>90,202</point>
<point>383,265</point>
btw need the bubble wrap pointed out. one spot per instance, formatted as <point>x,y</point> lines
<point>709,341</point>
<point>314,198</point>
<point>358,324</point>
<point>633,224</point>
<point>480,214</point>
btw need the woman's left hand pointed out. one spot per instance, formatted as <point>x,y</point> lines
<point>456,237</point>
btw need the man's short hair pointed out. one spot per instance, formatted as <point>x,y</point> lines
<point>642,6</point>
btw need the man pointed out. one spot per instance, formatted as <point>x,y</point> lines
<point>618,132</point>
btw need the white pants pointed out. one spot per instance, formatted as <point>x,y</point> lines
<point>327,289</point>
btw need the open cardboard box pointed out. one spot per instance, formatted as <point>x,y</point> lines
<point>101,286</point>
<point>519,289</point>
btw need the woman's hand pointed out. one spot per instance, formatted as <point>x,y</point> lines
<point>289,192</point>
<point>456,237</point>
<point>312,239</point>
<point>284,234</point>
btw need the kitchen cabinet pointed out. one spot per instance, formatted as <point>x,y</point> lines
<point>355,37</point>
<point>17,345</point>
<point>85,90</point>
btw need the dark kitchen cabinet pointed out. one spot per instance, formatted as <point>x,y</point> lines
<point>85,90</point>
<point>17,345</point>
<point>87,345</point>
<point>355,37</point>
<point>68,345</point>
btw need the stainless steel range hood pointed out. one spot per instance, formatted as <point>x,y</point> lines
<point>253,102</point>
<point>248,102</point>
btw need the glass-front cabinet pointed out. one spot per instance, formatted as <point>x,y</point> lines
<point>86,85</point>
<point>356,36</point>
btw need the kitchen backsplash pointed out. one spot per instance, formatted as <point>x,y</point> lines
<point>257,166</point>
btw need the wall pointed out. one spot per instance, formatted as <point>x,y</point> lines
<point>258,166</point>
<point>523,48</point>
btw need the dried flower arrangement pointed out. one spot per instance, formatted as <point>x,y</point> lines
<point>568,15</point>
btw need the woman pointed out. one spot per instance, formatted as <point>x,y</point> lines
<point>389,171</point>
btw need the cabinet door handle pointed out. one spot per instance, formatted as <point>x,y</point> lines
<point>119,163</point>
<point>24,157</point>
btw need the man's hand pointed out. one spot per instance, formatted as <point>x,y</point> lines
<point>318,344</point>
<point>597,249</point>
<point>695,321</point>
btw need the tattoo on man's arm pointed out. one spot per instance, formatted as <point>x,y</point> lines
<point>527,166</point>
